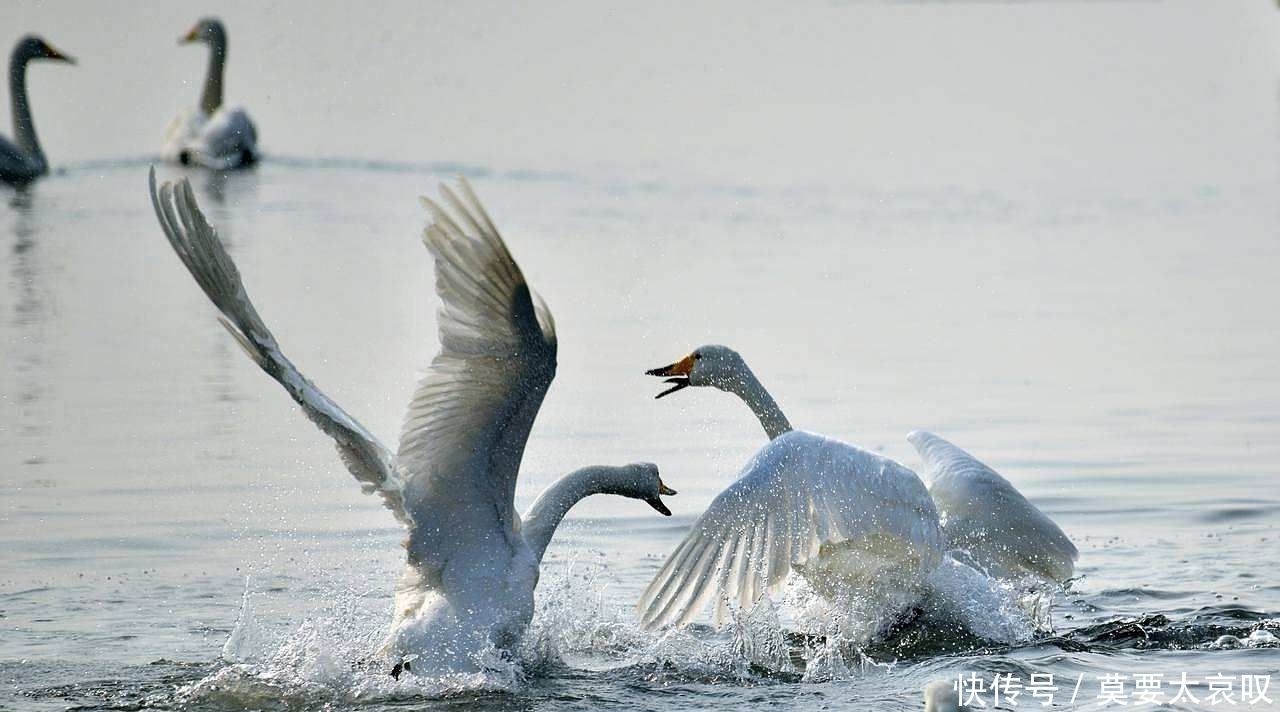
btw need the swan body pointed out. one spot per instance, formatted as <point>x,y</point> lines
<point>845,519</point>
<point>988,519</point>
<point>942,696</point>
<point>222,141</point>
<point>855,524</point>
<point>472,562</point>
<point>211,135</point>
<point>22,160</point>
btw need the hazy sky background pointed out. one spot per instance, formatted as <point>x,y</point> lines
<point>892,94</point>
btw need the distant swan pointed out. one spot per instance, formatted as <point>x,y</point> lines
<point>211,135</point>
<point>22,160</point>
<point>943,696</point>
<point>853,523</point>
<point>473,562</point>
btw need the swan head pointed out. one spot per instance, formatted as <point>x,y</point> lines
<point>711,365</point>
<point>208,30</point>
<point>34,47</point>
<point>639,480</point>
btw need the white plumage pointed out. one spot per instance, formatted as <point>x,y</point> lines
<point>225,140</point>
<point>210,134</point>
<point>846,519</point>
<point>942,696</point>
<point>472,566</point>
<point>854,524</point>
<point>988,518</point>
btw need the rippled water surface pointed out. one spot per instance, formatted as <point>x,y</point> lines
<point>1057,249</point>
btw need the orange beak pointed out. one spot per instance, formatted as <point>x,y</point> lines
<point>191,36</point>
<point>677,373</point>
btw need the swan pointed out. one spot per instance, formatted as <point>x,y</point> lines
<point>943,696</point>
<point>472,562</point>
<point>859,527</point>
<point>22,160</point>
<point>851,522</point>
<point>211,135</point>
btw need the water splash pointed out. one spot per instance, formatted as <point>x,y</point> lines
<point>985,607</point>
<point>247,639</point>
<point>332,657</point>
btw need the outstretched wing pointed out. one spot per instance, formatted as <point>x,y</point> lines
<point>801,502</point>
<point>465,432</point>
<point>987,516</point>
<point>199,248</point>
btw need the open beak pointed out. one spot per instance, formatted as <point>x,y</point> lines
<point>55,54</point>
<point>677,374</point>
<point>657,502</point>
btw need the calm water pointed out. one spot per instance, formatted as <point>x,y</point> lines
<point>1047,231</point>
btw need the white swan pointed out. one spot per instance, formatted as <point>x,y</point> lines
<point>211,135</point>
<point>942,696</point>
<point>855,524</point>
<point>472,561</point>
<point>22,160</point>
<point>851,522</point>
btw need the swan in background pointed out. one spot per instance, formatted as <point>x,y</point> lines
<point>22,160</point>
<point>468,584</point>
<point>211,135</point>
<point>853,523</point>
<point>943,696</point>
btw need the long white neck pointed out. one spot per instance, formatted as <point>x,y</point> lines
<point>24,131</point>
<point>747,387</point>
<point>541,520</point>
<point>211,96</point>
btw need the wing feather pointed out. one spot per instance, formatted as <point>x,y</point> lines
<point>196,243</point>
<point>987,516</point>
<point>464,434</point>
<point>800,495</point>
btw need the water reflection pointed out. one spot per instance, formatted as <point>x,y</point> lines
<point>225,188</point>
<point>28,345</point>
<point>28,301</point>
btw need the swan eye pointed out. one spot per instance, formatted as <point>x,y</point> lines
<point>697,356</point>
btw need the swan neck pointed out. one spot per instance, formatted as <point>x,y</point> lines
<point>753,393</point>
<point>24,131</point>
<point>548,510</point>
<point>211,96</point>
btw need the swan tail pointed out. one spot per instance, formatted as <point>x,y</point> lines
<point>197,244</point>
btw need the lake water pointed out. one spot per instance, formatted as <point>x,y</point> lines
<point>1045,230</point>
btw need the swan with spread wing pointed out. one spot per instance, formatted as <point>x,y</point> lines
<point>468,584</point>
<point>853,523</point>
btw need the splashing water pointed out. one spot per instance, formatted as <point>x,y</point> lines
<point>799,637</point>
